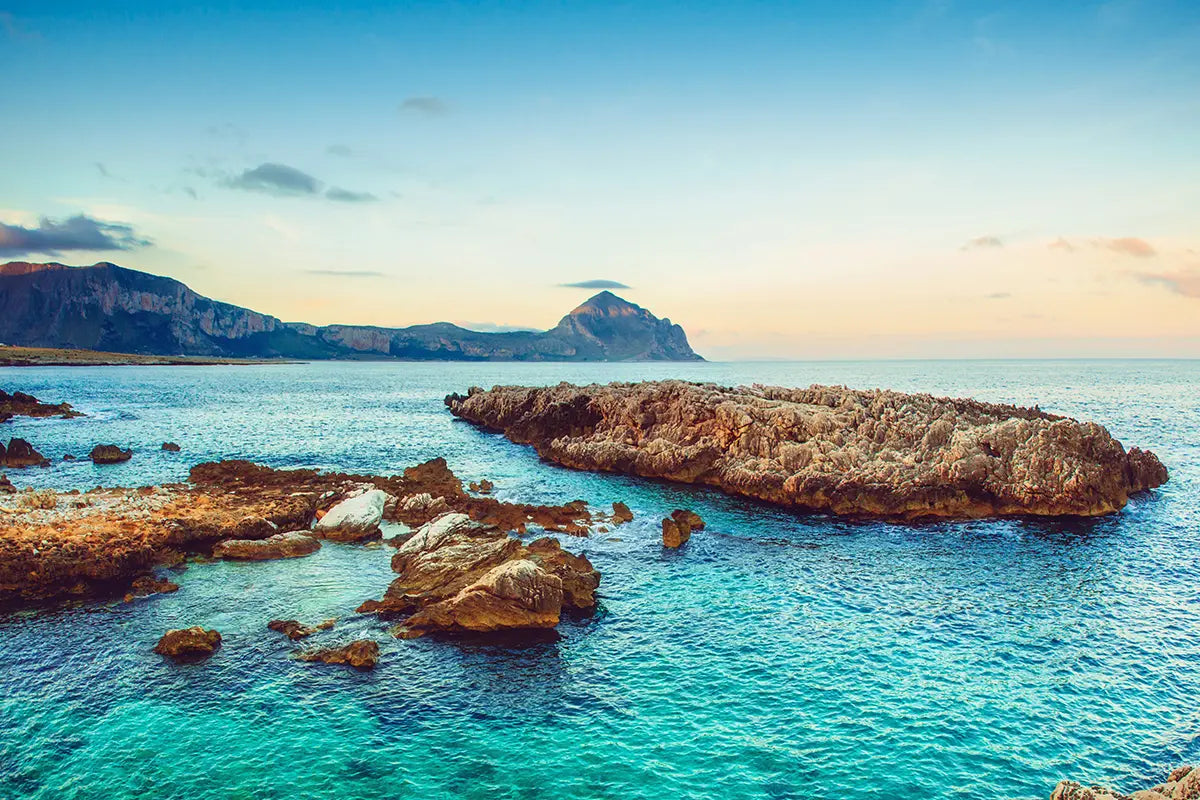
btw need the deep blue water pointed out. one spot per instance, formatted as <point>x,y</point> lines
<point>776,656</point>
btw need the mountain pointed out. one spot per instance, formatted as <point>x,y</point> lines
<point>111,308</point>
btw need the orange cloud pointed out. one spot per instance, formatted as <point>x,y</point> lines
<point>1128,246</point>
<point>1185,282</point>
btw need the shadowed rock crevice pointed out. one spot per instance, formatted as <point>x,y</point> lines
<point>831,449</point>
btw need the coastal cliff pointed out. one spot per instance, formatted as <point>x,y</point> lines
<point>828,449</point>
<point>110,308</point>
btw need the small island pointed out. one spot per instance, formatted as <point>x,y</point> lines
<point>829,449</point>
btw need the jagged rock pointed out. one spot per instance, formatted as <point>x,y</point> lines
<point>457,575</point>
<point>830,449</point>
<point>354,519</point>
<point>6,486</point>
<point>483,487</point>
<point>675,533</point>
<point>146,585</point>
<point>109,454</point>
<point>292,544</point>
<point>1182,784</point>
<point>621,513</point>
<point>26,405</point>
<point>295,631</point>
<point>170,447</point>
<point>360,654</point>
<point>186,643</point>
<point>20,454</point>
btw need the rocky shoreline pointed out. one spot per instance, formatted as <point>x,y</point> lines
<point>827,449</point>
<point>1183,783</point>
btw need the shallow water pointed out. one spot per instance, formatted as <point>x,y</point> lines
<point>776,656</point>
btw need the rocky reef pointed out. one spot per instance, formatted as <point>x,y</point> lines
<point>188,643</point>
<point>96,543</point>
<point>1182,784</point>
<point>19,404</point>
<point>828,449</point>
<point>457,575</point>
<point>361,654</point>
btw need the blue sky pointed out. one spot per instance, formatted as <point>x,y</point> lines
<point>784,179</point>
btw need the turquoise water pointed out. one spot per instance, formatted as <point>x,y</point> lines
<point>776,656</point>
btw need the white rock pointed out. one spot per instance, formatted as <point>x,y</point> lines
<point>361,513</point>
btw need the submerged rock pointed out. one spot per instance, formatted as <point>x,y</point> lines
<point>294,630</point>
<point>1182,784</point>
<point>170,447</point>
<point>20,454</point>
<point>109,454</point>
<point>353,519</point>
<point>146,585</point>
<point>188,643</point>
<point>292,544</point>
<point>458,576</point>
<point>360,654</point>
<point>830,449</point>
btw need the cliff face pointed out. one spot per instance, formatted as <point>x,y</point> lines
<point>106,307</point>
<point>828,449</point>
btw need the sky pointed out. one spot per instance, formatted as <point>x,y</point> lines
<point>879,179</point>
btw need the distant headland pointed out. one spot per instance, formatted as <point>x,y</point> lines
<point>109,308</point>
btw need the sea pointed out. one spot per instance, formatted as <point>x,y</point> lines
<point>776,655</point>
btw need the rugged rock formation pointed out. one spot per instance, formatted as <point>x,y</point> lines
<point>106,307</point>
<point>483,487</point>
<point>677,528</point>
<point>170,447</point>
<point>621,514</point>
<point>831,449</point>
<point>353,519</point>
<point>19,404</point>
<point>146,585</point>
<point>6,486</point>
<point>109,454</point>
<point>96,543</point>
<point>20,454</point>
<point>461,576</point>
<point>293,544</point>
<point>360,654</point>
<point>188,643</point>
<point>1182,784</point>
<point>295,631</point>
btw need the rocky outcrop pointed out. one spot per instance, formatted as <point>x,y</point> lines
<point>6,486</point>
<point>353,519</point>
<point>827,449</point>
<point>19,404</point>
<point>621,514</point>
<point>96,543</point>
<point>146,585</point>
<point>107,307</point>
<point>293,544</point>
<point>677,528</point>
<point>456,575</point>
<point>188,643</point>
<point>1182,784</point>
<point>109,454</point>
<point>361,654</point>
<point>295,631</point>
<point>20,454</point>
<point>170,447</point>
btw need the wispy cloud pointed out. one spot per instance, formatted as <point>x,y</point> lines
<point>339,150</point>
<point>80,232</point>
<point>492,327</point>
<point>983,243</point>
<point>1185,282</point>
<point>347,196</point>
<point>430,106</point>
<point>598,283</point>
<point>276,179</point>
<point>1127,246</point>
<point>999,296</point>
<point>347,273</point>
<point>1061,244</point>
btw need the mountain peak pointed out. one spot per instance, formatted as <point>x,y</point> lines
<point>606,303</point>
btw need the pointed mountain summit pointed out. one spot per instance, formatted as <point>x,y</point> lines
<point>610,328</point>
<point>111,308</point>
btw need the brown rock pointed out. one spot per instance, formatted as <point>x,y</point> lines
<point>675,533</point>
<point>1187,786</point>
<point>6,486</point>
<point>1182,784</point>
<point>20,454</point>
<point>456,575</point>
<point>146,585</point>
<point>621,513</point>
<point>294,630</point>
<point>830,449</point>
<point>170,447</point>
<point>26,405</point>
<point>188,643</point>
<point>690,518</point>
<point>360,654</point>
<point>109,454</point>
<point>293,544</point>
